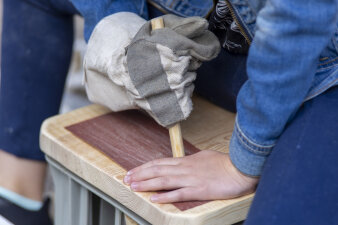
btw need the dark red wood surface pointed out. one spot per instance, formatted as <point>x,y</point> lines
<point>131,139</point>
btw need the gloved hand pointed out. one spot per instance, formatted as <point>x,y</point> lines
<point>129,66</point>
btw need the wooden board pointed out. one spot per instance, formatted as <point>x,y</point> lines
<point>209,127</point>
<point>130,139</point>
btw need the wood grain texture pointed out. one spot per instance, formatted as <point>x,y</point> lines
<point>209,127</point>
<point>130,139</point>
<point>176,141</point>
<point>157,23</point>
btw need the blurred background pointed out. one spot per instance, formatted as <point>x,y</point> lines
<point>74,95</point>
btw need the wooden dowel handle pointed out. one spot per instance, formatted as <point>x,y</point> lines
<point>176,140</point>
<point>157,23</point>
<point>175,131</point>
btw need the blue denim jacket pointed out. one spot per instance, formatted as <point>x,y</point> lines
<point>292,58</point>
<point>93,11</point>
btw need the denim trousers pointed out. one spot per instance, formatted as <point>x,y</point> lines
<point>298,184</point>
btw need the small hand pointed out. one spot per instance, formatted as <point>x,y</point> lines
<point>207,175</point>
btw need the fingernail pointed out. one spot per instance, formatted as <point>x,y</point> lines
<point>126,179</point>
<point>154,198</point>
<point>129,172</point>
<point>134,186</point>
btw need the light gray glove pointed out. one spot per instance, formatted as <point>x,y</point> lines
<point>156,70</point>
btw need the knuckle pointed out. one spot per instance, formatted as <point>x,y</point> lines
<point>183,162</point>
<point>141,186</point>
<point>202,189</point>
<point>164,181</point>
<point>180,195</point>
<point>189,168</point>
<point>205,153</point>
<point>157,170</point>
<point>154,162</point>
<point>146,185</point>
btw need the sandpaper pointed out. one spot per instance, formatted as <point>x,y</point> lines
<point>130,139</point>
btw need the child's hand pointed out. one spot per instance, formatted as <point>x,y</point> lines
<point>207,175</point>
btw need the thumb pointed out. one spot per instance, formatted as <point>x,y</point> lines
<point>189,27</point>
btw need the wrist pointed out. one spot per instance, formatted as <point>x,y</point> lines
<point>246,155</point>
<point>244,178</point>
<point>248,179</point>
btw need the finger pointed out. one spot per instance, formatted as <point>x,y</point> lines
<point>156,171</point>
<point>189,27</point>
<point>162,183</point>
<point>156,162</point>
<point>179,195</point>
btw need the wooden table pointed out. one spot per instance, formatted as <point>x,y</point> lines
<point>208,127</point>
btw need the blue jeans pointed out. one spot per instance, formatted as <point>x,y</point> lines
<point>299,183</point>
<point>36,50</point>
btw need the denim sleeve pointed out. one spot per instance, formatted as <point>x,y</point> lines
<point>93,11</point>
<point>289,38</point>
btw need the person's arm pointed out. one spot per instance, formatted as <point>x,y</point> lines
<point>281,66</point>
<point>282,61</point>
<point>93,11</point>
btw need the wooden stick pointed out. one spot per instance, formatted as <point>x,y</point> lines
<point>174,131</point>
<point>157,23</point>
<point>176,140</point>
